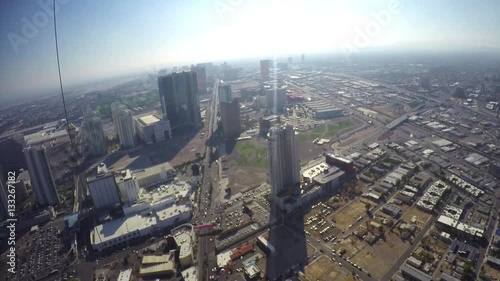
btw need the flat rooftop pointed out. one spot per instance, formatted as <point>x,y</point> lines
<point>315,170</point>
<point>149,119</point>
<point>333,173</point>
<point>176,190</point>
<point>183,239</point>
<point>116,228</point>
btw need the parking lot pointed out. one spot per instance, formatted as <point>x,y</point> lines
<point>244,222</point>
<point>41,252</point>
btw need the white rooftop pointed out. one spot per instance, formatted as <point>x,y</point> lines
<point>223,258</point>
<point>315,170</point>
<point>149,120</point>
<point>189,274</point>
<point>125,275</point>
<point>116,228</point>
<point>179,189</point>
<point>183,239</point>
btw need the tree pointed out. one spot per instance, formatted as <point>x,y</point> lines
<point>468,272</point>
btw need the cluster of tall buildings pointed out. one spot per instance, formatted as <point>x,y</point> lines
<point>15,157</point>
<point>146,128</point>
<point>229,112</point>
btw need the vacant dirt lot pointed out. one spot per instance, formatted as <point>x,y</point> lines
<point>240,178</point>
<point>377,259</point>
<point>318,268</point>
<point>420,216</point>
<point>324,269</point>
<point>349,214</point>
<point>351,245</point>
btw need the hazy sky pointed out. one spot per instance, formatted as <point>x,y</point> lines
<point>99,39</point>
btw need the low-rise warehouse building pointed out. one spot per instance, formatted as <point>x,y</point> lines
<point>155,175</point>
<point>158,265</point>
<point>454,226</point>
<point>413,273</point>
<point>391,210</point>
<point>128,228</point>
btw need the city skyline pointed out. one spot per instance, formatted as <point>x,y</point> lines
<point>97,44</point>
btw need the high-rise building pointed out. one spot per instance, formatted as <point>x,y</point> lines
<point>265,65</point>
<point>128,186</point>
<point>267,122</point>
<point>290,60</point>
<point>115,107</point>
<point>201,77</point>
<point>42,181</point>
<point>180,101</point>
<point>284,162</point>
<point>11,154</point>
<point>103,189</point>
<point>124,123</point>
<point>225,92</point>
<point>231,118</point>
<point>276,100</point>
<point>303,58</point>
<point>92,128</point>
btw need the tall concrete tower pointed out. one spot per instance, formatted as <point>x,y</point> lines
<point>124,123</point>
<point>284,162</point>
<point>42,181</point>
<point>265,66</point>
<point>180,101</point>
<point>92,127</point>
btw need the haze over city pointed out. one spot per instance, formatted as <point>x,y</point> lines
<point>103,40</point>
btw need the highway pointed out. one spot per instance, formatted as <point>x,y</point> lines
<point>206,248</point>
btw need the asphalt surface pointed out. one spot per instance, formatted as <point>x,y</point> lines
<point>206,258</point>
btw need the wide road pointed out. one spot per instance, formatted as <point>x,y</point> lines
<point>206,255</point>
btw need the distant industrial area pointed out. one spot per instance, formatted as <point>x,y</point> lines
<point>289,169</point>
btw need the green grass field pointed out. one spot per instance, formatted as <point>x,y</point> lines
<point>303,137</point>
<point>324,131</point>
<point>334,128</point>
<point>319,129</point>
<point>250,155</point>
